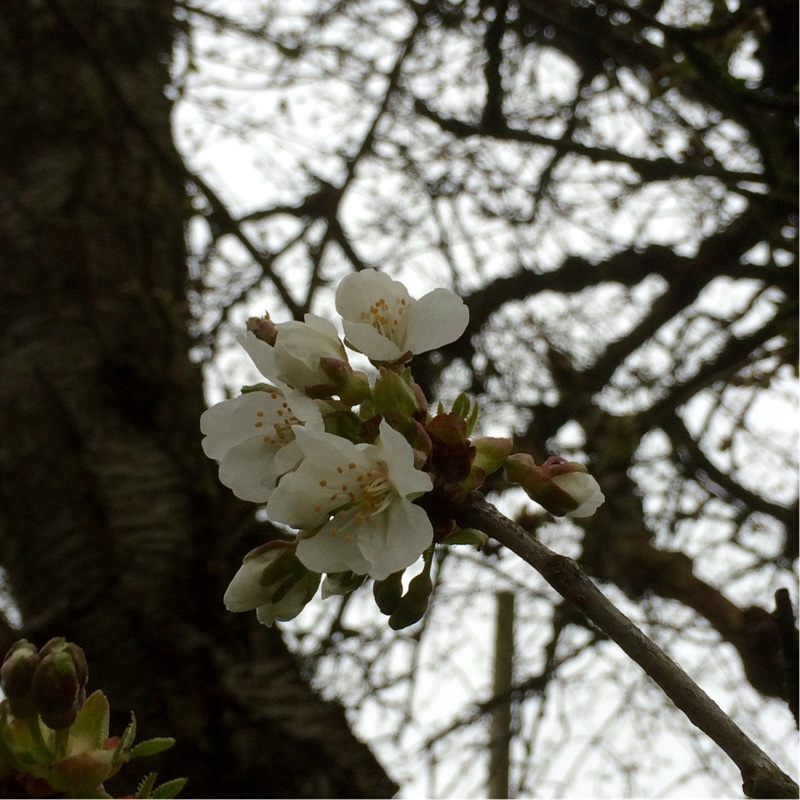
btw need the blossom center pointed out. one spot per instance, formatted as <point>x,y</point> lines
<point>362,495</point>
<point>279,430</point>
<point>385,318</point>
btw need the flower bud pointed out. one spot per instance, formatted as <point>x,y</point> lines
<point>264,329</point>
<point>272,581</point>
<point>59,687</point>
<point>17,672</point>
<point>387,593</point>
<point>414,602</point>
<point>562,487</point>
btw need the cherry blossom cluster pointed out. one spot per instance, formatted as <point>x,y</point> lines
<point>354,461</point>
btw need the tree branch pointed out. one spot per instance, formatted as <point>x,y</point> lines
<point>761,777</point>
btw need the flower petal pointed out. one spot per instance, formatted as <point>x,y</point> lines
<point>245,592</point>
<point>330,550</point>
<point>395,539</point>
<point>233,421</point>
<point>363,337</point>
<point>396,452</point>
<point>435,320</point>
<point>262,355</point>
<point>249,471</point>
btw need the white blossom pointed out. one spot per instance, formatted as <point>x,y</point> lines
<point>295,357</point>
<point>359,498</point>
<point>253,438</point>
<point>385,323</point>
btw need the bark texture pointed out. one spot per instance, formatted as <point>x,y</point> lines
<point>113,531</point>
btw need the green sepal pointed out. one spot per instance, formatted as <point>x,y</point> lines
<point>339,583</point>
<point>470,536</point>
<point>151,747</point>
<point>283,567</point>
<point>259,387</point>
<point>393,394</point>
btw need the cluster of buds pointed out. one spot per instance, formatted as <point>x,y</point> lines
<point>54,740</point>
<point>358,463</point>
<point>50,682</point>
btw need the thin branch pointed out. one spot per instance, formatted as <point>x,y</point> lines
<point>761,777</point>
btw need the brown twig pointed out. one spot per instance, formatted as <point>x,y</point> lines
<point>761,777</point>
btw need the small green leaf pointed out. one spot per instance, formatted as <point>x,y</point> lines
<point>472,418</point>
<point>169,789</point>
<point>145,788</point>
<point>461,405</point>
<point>121,751</point>
<point>91,723</point>
<point>152,746</point>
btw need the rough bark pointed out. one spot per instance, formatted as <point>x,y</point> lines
<point>112,529</point>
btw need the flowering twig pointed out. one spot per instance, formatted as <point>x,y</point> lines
<point>761,777</point>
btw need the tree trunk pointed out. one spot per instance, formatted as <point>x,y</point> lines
<point>113,529</point>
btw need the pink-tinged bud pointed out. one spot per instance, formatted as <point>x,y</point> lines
<point>17,673</point>
<point>264,329</point>
<point>562,487</point>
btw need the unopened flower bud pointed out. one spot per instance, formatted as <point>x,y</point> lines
<point>264,329</point>
<point>563,487</point>
<point>414,602</point>
<point>59,687</point>
<point>17,672</point>
<point>387,593</point>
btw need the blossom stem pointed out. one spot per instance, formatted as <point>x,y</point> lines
<point>61,741</point>
<point>761,777</point>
